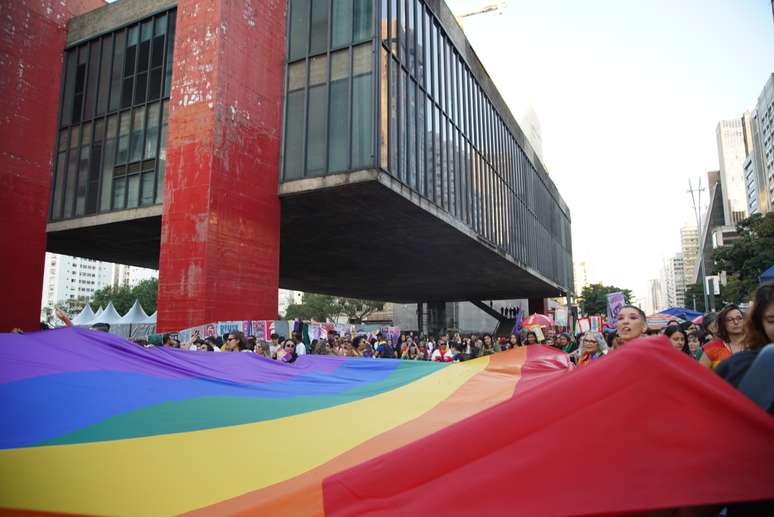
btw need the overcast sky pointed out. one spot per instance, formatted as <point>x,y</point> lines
<point>628,94</point>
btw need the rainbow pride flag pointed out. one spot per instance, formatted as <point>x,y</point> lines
<point>94,425</point>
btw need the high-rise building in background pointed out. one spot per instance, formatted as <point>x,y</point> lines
<point>673,281</point>
<point>70,279</point>
<point>656,301</point>
<point>732,152</point>
<point>759,165</point>
<point>689,245</point>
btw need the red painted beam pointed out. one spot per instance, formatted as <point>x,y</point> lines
<point>32,41</point>
<point>220,227</point>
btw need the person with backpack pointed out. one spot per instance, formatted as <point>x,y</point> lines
<point>384,349</point>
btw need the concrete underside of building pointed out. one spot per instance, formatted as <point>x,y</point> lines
<point>360,234</point>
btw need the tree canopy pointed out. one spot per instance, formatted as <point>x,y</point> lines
<point>593,298</point>
<point>323,307</point>
<point>747,257</point>
<point>123,297</point>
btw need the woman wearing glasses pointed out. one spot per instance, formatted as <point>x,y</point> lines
<point>592,347</point>
<point>287,354</point>
<point>235,342</point>
<point>729,339</point>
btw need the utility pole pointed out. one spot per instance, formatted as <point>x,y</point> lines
<point>696,200</point>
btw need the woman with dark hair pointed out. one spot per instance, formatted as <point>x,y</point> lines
<point>730,337</point>
<point>677,337</point>
<point>287,354</point>
<point>514,341</point>
<point>531,338</point>
<point>235,341</point>
<point>565,343</point>
<point>758,332</point>
<point>709,324</point>
<point>631,324</point>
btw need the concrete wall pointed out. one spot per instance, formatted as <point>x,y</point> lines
<point>112,16</point>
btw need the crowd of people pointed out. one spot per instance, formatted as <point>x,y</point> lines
<point>715,339</point>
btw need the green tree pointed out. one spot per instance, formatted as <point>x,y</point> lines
<point>318,307</point>
<point>749,256</point>
<point>694,294</point>
<point>123,296</point>
<point>356,309</point>
<point>593,298</point>
<point>147,292</point>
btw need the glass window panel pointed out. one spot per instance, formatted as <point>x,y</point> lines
<point>72,171</point>
<point>152,131</point>
<point>362,20</point>
<point>316,129</point>
<point>143,56</point>
<point>338,129</point>
<point>119,192</point>
<point>297,76</point>
<point>384,17</point>
<point>123,138</point>
<point>318,39</point>
<point>429,153</point>
<point>294,136</point>
<point>83,172</point>
<point>61,167</point>
<point>138,131</point>
<point>140,85</point>
<point>170,51</point>
<point>420,49</point>
<point>340,65</point>
<point>410,34</point>
<point>91,83</point>
<point>384,110</point>
<point>116,75</point>
<point>129,60</point>
<point>69,87</point>
<point>157,52</point>
<point>435,63</point>
<point>362,59</point>
<point>299,28</point>
<point>428,46</point>
<point>126,92</point>
<point>444,156</point>
<point>86,134</point>
<point>148,181</point>
<point>161,25</point>
<point>393,111</point>
<point>133,37</point>
<point>317,70</point>
<point>402,148</point>
<point>420,136</point>
<point>133,191</point>
<point>437,156</point>
<point>452,176</point>
<point>147,30</point>
<point>154,84</point>
<point>107,166</point>
<point>402,28</point>
<point>393,22</point>
<point>162,158</point>
<point>94,167</point>
<point>341,31</point>
<point>411,152</point>
<point>104,75</point>
<point>362,121</point>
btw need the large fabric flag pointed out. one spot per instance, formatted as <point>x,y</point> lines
<point>95,425</point>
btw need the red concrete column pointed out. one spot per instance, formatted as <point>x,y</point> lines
<point>32,40</point>
<point>220,225</point>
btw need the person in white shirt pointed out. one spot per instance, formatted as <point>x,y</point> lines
<point>442,354</point>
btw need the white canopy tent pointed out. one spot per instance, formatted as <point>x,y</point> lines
<point>134,324</point>
<point>85,317</point>
<point>109,316</point>
<point>152,318</point>
<point>98,313</point>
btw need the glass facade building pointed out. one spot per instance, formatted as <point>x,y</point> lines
<point>380,84</point>
<point>111,142</point>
